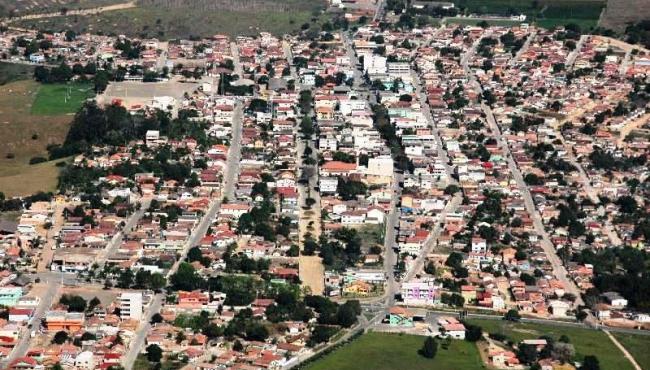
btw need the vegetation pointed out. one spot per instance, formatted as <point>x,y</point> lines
<point>585,341</point>
<point>55,99</point>
<point>190,22</point>
<point>379,351</point>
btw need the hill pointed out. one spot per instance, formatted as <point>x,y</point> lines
<point>619,13</point>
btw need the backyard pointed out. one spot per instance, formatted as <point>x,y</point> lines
<point>379,351</point>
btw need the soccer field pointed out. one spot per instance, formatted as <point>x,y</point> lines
<point>55,99</point>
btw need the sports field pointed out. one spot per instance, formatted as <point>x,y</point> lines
<point>585,341</point>
<point>380,351</point>
<point>56,99</point>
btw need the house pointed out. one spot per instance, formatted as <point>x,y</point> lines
<point>400,316</point>
<point>328,185</point>
<point>20,315</point>
<point>451,327</point>
<point>559,308</point>
<point>615,300</point>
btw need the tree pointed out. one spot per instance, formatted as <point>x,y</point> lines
<point>563,352</point>
<point>429,348</point>
<point>186,278</point>
<point>346,315</point>
<point>154,353</point>
<point>527,353</point>
<point>590,362</point>
<point>512,315</point>
<point>75,303</point>
<point>156,318</point>
<point>60,337</point>
<point>473,332</point>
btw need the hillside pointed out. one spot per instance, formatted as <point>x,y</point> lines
<point>619,13</point>
<point>169,19</point>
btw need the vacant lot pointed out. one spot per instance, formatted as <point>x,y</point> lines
<point>169,22</point>
<point>25,136</point>
<point>379,351</point>
<point>638,346</point>
<point>585,341</point>
<point>57,99</point>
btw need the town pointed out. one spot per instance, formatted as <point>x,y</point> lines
<point>250,202</point>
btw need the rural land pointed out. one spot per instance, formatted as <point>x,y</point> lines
<point>324,184</point>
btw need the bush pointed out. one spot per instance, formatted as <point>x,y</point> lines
<point>37,160</point>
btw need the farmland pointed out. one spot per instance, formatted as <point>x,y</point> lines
<point>170,21</point>
<point>585,341</point>
<point>26,136</point>
<point>378,351</point>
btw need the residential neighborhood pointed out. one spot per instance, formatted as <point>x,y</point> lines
<point>249,202</point>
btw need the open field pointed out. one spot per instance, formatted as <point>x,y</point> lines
<point>56,99</point>
<point>474,21</point>
<point>183,22</point>
<point>379,351</point>
<point>10,72</point>
<point>546,13</point>
<point>585,341</point>
<point>25,136</point>
<point>638,346</point>
<point>21,7</point>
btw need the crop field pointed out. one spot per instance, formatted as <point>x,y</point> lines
<point>170,20</point>
<point>379,351</point>
<point>585,341</point>
<point>25,136</point>
<point>56,99</point>
<point>546,13</point>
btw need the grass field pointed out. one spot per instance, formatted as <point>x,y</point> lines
<point>378,351</point>
<point>25,136</point>
<point>10,72</point>
<point>638,346</point>
<point>474,21</point>
<point>56,99</point>
<point>585,341</point>
<point>164,23</point>
<point>545,13</point>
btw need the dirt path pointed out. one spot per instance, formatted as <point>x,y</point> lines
<point>102,9</point>
<point>625,352</point>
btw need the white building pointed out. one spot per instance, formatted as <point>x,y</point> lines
<point>328,184</point>
<point>374,64</point>
<point>380,166</point>
<point>131,306</point>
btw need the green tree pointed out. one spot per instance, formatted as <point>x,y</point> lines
<point>154,353</point>
<point>429,348</point>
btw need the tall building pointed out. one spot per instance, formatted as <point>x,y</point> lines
<point>131,306</point>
